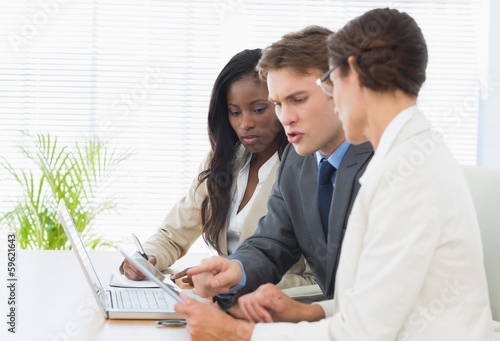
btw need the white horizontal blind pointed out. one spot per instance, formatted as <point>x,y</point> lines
<point>136,73</point>
<point>155,65</point>
<point>139,73</point>
<point>450,96</point>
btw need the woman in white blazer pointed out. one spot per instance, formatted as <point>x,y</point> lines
<point>411,266</point>
<point>229,195</point>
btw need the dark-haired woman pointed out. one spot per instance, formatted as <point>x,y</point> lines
<point>230,193</point>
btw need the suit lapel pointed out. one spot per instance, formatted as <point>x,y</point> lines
<point>345,185</point>
<point>308,189</point>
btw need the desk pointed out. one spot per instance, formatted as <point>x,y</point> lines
<point>54,301</point>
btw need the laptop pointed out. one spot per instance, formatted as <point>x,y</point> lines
<point>117,303</point>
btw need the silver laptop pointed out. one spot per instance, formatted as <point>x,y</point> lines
<point>117,303</point>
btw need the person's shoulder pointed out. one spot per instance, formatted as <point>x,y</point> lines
<point>290,156</point>
<point>293,164</point>
<point>359,155</point>
<point>360,149</point>
<point>356,159</point>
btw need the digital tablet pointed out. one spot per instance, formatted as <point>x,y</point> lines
<point>151,272</point>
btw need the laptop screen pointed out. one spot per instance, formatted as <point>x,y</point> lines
<point>78,246</point>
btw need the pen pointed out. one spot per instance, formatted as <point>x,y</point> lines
<point>139,246</point>
<point>171,322</point>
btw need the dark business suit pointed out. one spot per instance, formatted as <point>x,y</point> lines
<point>293,226</point>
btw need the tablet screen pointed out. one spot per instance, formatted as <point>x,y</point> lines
<point>151,272</point>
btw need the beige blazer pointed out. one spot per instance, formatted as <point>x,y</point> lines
<point>182,226</point>
<point>411,267</point>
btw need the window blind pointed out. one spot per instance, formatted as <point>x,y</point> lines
<point>139,74</point>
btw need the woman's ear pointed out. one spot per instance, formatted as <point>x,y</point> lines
<point>353,72</point>
<point>351,61</point>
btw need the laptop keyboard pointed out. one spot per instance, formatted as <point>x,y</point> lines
<point>140,299</point>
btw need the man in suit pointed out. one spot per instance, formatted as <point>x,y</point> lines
<point>293,224</point>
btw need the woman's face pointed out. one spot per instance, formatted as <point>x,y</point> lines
<point>252,116</point>
<point>350,105</point>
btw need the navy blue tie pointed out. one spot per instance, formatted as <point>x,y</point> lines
<point>325,191</point>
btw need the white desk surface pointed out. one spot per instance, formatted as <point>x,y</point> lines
<point>54,301</point>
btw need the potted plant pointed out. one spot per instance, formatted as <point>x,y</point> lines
<point>75,175</point>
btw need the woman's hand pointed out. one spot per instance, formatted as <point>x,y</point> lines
<point>269,304</point>
<point>206,321</point>
<point>131,272</point>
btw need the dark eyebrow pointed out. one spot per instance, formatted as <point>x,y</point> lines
<point>259,100</point>
<point>252,102</point>
<point>293,94</point>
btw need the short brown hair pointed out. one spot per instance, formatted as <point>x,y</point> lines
<point>301,50</point>
<point>389,48</point>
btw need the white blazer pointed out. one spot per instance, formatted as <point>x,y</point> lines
<point>411,267</point>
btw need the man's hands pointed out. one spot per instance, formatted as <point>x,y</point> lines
<point>133,273</point>
<point>270,304</point>
<point>214,276</point>
<point>207,322</point>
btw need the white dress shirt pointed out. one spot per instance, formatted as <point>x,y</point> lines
<point>236,218</point>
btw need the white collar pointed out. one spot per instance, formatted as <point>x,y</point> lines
<point>386,140</point>
<point>265,169</point>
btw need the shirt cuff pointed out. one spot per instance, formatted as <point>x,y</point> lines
<point>243,281</point>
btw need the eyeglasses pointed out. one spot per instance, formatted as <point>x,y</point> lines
<point>327,87</point>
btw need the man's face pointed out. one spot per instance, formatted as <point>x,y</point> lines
<point>305,111</point>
